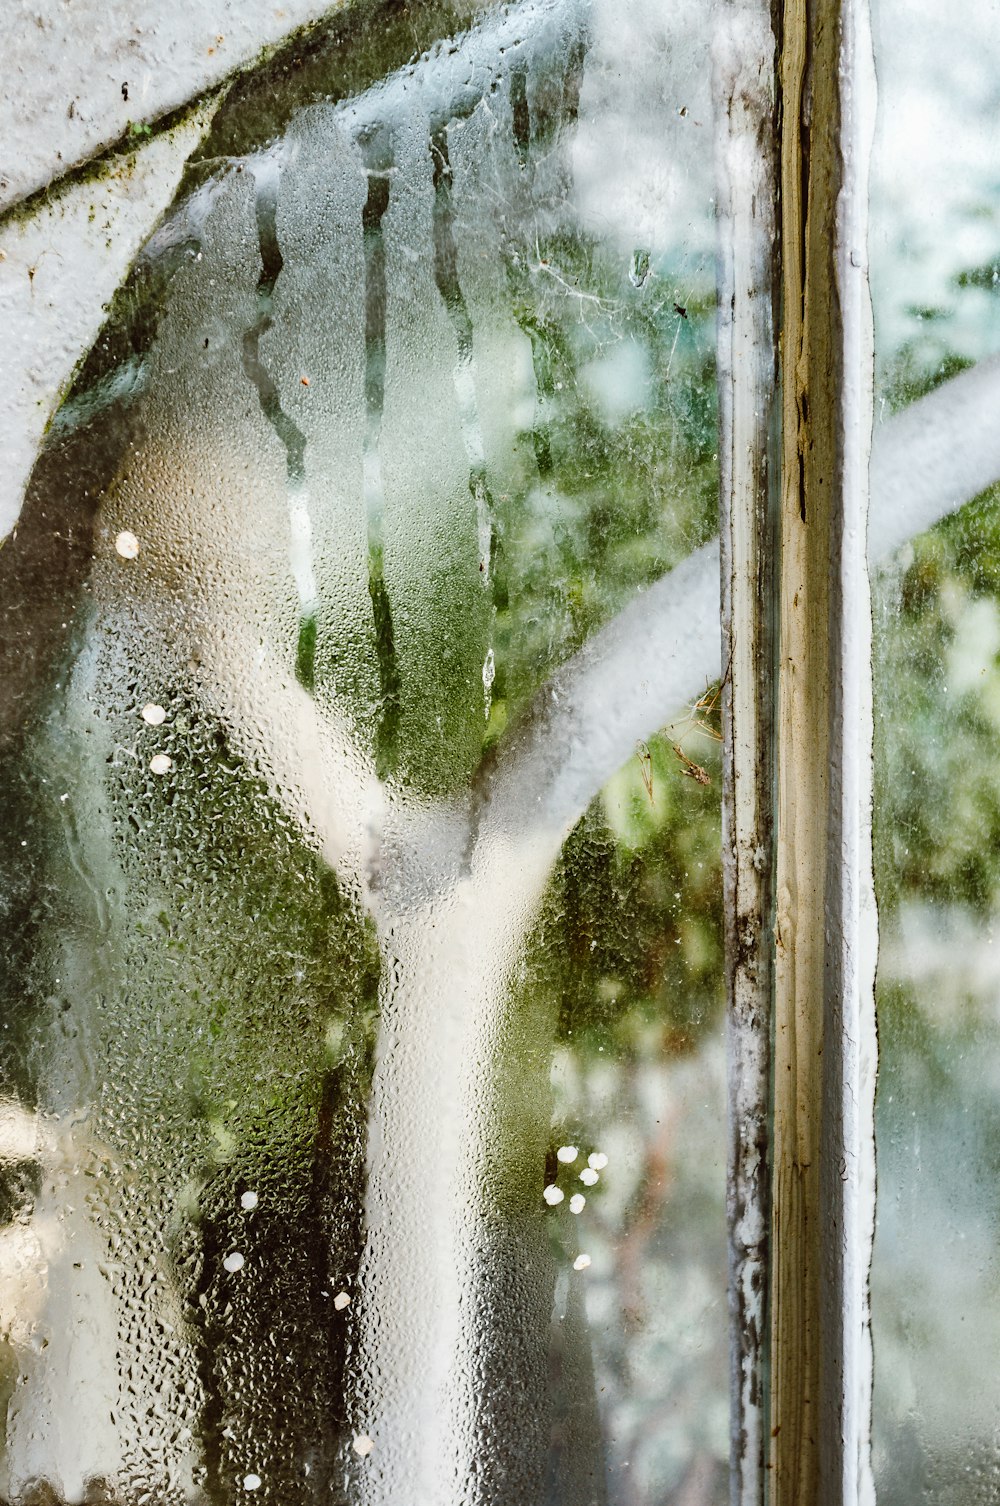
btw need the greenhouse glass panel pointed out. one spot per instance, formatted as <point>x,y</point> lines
<point>362,1134</point>
<point>935,254</point>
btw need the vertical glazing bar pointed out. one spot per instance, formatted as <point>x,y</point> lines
<point>793,196</point>
<point>746,167</point>
<point>822,1187</point>
<point>848,1162</point>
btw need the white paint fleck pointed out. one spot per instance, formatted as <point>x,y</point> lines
<point>161,763</point>
<point>153,716</point>
<point>363,1445</point>
<point>566,1154</point>
<point>577,1203</point>
<point>127,545</point>
<point>581,1262</point>
<point>589,1176</point>
<point>597,1160</point>
<point>553,1195</point>
<point>252,1482</point>
<point>249,1200</point>
<point>341,1300</point>
<point>234,1261</point>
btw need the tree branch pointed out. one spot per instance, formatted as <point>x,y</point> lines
<point>637,673</point>
<point>624,683</point>
<point>309,761</point>
<point>627,681</point>
<point>934,456</point>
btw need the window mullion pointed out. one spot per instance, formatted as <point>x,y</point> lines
<point>747,169</point>
<point>798,640</point>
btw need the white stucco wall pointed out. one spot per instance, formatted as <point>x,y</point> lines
<point>67,242</point>
<point>65,63</point>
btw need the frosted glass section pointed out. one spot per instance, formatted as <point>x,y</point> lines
<point>362,1107</point>
<point>936,1272</point>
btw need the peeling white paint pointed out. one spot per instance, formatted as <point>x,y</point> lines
<point>746,167</point>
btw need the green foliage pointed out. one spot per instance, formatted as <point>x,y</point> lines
<point>630,942</point>
<point>938,703</point>
<point>625,481</point>
<point>624,486</point>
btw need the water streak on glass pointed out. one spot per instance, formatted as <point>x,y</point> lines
<point>362,1128</point>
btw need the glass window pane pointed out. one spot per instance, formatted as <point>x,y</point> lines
<point>363,1122</point>
<point>935,1286</point>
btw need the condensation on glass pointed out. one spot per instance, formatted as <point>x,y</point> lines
<point>362,1128</point>
<point>936,284</point>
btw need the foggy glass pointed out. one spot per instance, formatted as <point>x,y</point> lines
<point>936,1271</point>
<point>362,1128</point>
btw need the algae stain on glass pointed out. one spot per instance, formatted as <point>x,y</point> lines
<point>314,974</point>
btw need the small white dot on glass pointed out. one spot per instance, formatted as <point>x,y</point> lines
<point>249,1200</point>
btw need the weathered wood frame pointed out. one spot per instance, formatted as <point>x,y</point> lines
<point>796,85</point>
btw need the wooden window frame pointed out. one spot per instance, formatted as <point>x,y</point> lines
<point>795,85</point>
